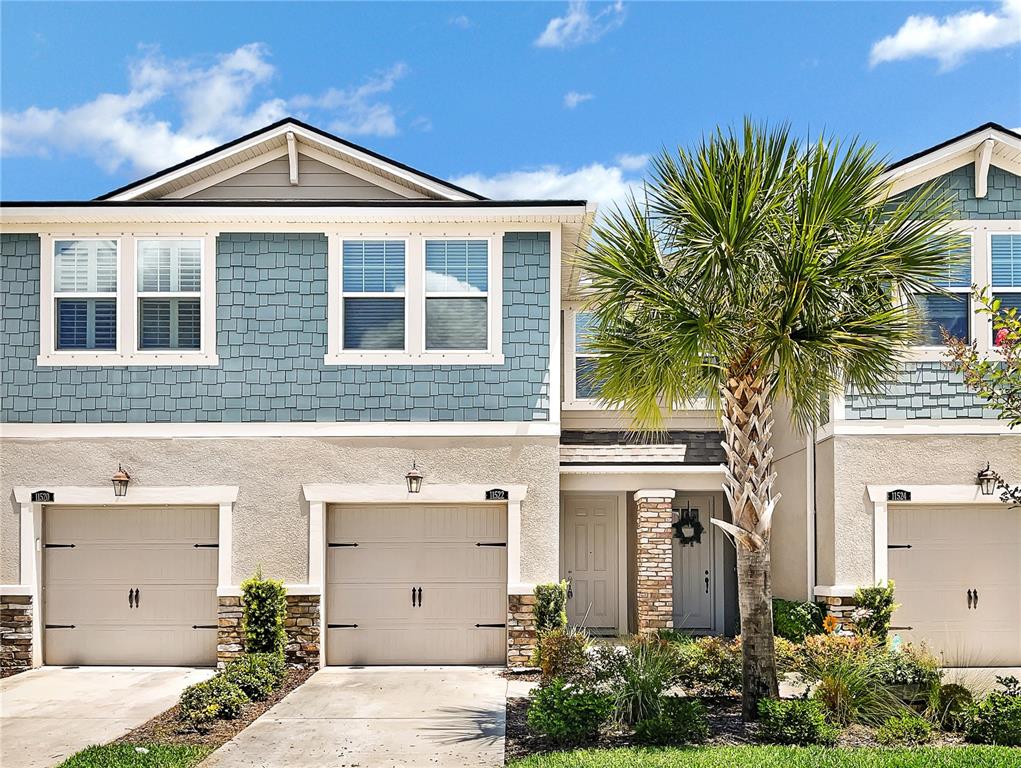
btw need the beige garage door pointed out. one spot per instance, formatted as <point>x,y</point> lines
<point>130,585</point>
<point>416,584</point>
<point>957,574</point>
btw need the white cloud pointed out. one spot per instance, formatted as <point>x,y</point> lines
<point>461,22</point>
<point>632,162</point>
<point>211,102</point>
<point>597,183</point>
<point>578,26</point>
<point>572,99</point>
<point>950,38</point>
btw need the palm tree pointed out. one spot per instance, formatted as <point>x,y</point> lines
<point>759,268</point>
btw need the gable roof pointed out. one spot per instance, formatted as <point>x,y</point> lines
<point>989,143</point>
<point>246,150</point>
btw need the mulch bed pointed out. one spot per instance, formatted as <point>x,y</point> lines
<point>165,728</point>
<point>726,728</point>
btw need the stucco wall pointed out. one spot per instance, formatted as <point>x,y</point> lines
<point>270,517</point>
<point>893,460</point>
<point>789,539</point>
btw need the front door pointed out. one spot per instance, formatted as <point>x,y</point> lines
<point>590,560</point>
<point>693,569</point>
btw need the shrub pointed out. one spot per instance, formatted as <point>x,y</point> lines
<point>680,721</point>
<point>212,699</point>
<point>637,676</point>
<point>950,706</point>
<point>795,620</point>
<point>568,713</point>
<point>561,652</point>
<point>264,604</point>
<point>912,665</point>
<point>710,666</point>
<point>908,729</point>
<point>797,722</point>
<point>788,655</point>
<point>875,607</point>
<point>820,651</point>
<point>997,718</point>
<point>550,606</point>
<point>850,676</point>
<point>257,674</point>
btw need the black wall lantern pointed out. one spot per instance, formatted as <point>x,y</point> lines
<point>414,478</point>
<point>987,481</point>
<point>120,481</point>
<point>687,529</point>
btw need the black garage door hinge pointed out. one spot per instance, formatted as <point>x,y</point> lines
<point>58,546</point>
<point>204,626</point>
<point>206,546</point>
<point>493,544</point>
<point>489,625</point>
<point>58,626</point>
<point>903,629</point>
<point>342,626</point>
<point>898,546</point>
<point>342,545</point>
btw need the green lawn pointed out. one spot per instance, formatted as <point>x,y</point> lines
<point>779,757</point>
<point>125,755</point>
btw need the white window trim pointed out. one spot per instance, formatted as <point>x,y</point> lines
<point>571,400</point>
<point>993,290</point>
<point>933,352</point>
<point>414,352</point>
<point>370,295</point>
<point>126,353</point>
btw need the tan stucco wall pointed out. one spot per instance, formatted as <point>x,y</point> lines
<point>789,539</point>
<point>890,460</point>
<point>271,516</point>
<point>824,523</point>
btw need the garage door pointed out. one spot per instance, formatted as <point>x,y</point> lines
<point>130,585</point>
<point>957,574</point>
<point>416,584</point>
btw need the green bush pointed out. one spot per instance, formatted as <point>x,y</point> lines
<point>997,718</point>
<point>550,606</point>
<point>568,713</point>
<point>950,706</point>
<point>850,679</point>
<point>710,666</point>
<point>264,604</point>
<point>797,722</point>
<point>912,665</point>
<point>680,721</point>
<point>637,675</point>
<point>214,699</point>
<point>795,620</point>
<point>906,729</point>
<point>561,652</point>
<point>257,674</point>
<point>875,606</point>
<point>789,655</point>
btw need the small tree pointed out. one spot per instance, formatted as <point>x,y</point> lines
<point>264,603</point>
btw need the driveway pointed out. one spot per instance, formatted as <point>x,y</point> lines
<point>378,717</point>
<point>52,712</point>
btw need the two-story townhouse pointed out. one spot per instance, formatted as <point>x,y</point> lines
<point>309,359</point>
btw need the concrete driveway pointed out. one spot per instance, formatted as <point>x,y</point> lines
<point>50,713</point>
<point>378,717</point>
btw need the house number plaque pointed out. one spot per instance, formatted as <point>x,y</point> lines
<point>898,495</point>
<point>42,496</point>
<point>496,494</point>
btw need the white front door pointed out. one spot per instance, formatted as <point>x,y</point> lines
<point>957,581</point>
<point>589,545</point>
<point>129,585</point>
<point>416,584</point>
<point>693,570</point>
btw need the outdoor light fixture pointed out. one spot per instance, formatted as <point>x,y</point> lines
<point>414,478</point>
<point>120,481</point>
<point>987,481</point>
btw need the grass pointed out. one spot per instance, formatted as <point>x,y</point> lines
<point>779,757</point>
<point>128,756</point>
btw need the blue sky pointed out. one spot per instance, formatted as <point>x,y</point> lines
<point>516,100</point>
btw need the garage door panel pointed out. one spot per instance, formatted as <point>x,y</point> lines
<point>426,645</point>
<point>410,523</point>
<point>134,564</point>
<point>417,563</point>
<point>189,525</point>
<point>109,605</point>
<point>130,646</point>
<point>365,604</point>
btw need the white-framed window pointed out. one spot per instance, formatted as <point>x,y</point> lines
<point>124,299</point>
<point>952,312</point>
<point>414,298</point>
<point>1005,270</point>
<point>585,359</point>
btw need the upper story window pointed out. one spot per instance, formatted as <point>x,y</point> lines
<point>415,299</point>
<point>585,384</point>
<point>950,312</point>
<point>127,300</point>
<point>1005,268</point>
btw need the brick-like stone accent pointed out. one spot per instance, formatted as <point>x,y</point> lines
<point>15,634</point>
<point>841,608</point>
<point>302,625</point>
<point>655,555</point>
<point>521,635</point>
<point>230,642</point>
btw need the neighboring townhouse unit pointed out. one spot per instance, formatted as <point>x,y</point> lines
<point>279,339</point>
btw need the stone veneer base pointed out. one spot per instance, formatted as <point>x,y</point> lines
<point>521,634</point>
<point>655,555</point>
<point>301,625</point>
<point>15,634</point>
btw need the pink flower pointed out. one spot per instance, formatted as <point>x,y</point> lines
<point>1001,337</point>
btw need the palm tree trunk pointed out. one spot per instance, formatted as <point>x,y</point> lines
<point>747,427</point>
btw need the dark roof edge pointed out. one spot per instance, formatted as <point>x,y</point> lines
<point>948,142</point>
<point>291,203</point>
<point>277,124</point>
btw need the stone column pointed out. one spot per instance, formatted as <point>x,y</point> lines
<point>655,555</point>
<point>302,626</point>
<point>15,634</point>
<point>521,634</point>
